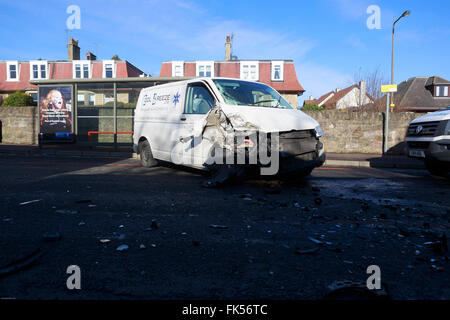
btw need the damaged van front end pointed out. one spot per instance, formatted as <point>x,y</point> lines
<point>273,140</point>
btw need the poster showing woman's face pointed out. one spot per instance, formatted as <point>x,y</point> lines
<point>55,109</point>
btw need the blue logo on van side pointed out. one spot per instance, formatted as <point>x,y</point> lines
<point>176,99</point>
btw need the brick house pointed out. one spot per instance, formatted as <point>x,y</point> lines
<point>16,75</point>
<point>279,74</point>
<point>351,97</point>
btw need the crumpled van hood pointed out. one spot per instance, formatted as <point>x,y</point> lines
<point>268,119</point>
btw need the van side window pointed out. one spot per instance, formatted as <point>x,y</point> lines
<point>198,100</point>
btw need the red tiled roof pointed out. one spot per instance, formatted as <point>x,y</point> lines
<point>231,69</point>
<point>61,70</point>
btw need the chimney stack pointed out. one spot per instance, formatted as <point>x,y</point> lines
<point>311,97</point>
<point>337,90</point>
<point>362,92</point>
<point>90,56</point>
<point>228,49</point>
<point>74,49</point>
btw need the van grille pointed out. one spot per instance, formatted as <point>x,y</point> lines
<point>428,129</point>
<point>418,145</point>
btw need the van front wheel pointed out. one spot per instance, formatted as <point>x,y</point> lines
<point>146,155</point>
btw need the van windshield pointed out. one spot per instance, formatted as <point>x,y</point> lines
<point>243,93</point>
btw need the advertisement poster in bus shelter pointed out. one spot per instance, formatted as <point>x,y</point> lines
<point>55,113</point>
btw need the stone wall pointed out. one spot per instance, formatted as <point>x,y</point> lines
<point>362,132</point>
<point>345,131</point>
<point>19,125</point>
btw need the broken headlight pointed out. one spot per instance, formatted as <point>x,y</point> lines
<point>318,131</point>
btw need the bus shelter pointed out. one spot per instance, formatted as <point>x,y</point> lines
<point>95,111</point>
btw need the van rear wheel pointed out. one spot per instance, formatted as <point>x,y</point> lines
<point>146,155</point>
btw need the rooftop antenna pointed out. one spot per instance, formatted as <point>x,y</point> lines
<point>231,40</point>
<point>96,44</point>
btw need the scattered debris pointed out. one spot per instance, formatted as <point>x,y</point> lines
<point>142,246</point>
<point>65,211</point>
<point>306,251</point>
<point>218,226</point>
<point>349,290</point>
<point>82,223</point>
<point>104,240</point>
<point>121,226</point>
<point>154,225</point>
<point>21,263</point>
<point>122,247</point>
<point>29,202</point>
<point>51,236</point>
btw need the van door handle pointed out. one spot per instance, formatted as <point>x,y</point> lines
<point>183,118</point>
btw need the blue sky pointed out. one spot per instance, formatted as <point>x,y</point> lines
<point>327,39</point>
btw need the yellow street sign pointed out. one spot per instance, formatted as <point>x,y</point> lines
<point>389,88</point>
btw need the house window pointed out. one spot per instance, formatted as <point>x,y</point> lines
<point>205,69</point>
<point>77,71</point>
<point>250,70</point>
<point>81,69</point>
<point>277,73</point>
<point>177,68</point>
<point>445,91</point>
<point>109,69</point>
<point>13,71</point>
<point>438,91</point>
<point>38,70</point>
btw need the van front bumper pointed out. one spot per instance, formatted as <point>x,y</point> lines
<point>432,150</point>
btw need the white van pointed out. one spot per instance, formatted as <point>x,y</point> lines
<point>428,139</point>
<point>202,121</point>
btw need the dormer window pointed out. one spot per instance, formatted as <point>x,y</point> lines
<point>38,70</point>
<point>277,73</point>
<point>177,68</point>
<point>81,69</point>
<point>109,69</point>
<point>249,70</point>
<point>12,71</point>
<point>441,91</point>
<point>205,68</point>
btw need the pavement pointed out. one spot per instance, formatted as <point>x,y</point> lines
<point>358,160</point>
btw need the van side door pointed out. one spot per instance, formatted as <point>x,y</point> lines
<point>199,101</point>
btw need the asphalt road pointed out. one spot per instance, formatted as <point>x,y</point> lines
<point>259,240</point>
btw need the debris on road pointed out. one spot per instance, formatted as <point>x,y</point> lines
<point>154,225</point>
<point>21,263</point>
<point>65,211</point>
<point>104,240</point>
<point>306,251</point>
<point>51,236</point>
<point>142,246</point>
<point>122,247</point>
<point>349,290</point>
<point>217,226</point>
<point>29,202</point>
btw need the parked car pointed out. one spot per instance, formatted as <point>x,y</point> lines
<point>191,122</point>
<point>428,139</point>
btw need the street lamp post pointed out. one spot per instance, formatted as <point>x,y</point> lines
<point>391,95</point>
